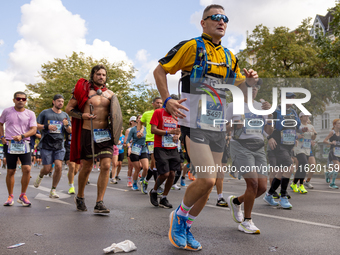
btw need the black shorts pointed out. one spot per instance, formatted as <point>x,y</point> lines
<point>215,140</point>
<point>101,150</point>
<point>12,159</point>
<point>332,157</point>
<point>181,155</point>
<point>67,155</point>
<point>283,155</point>
<point>186,156</point>
<point>134,157</point>
<point>167,160</point>
<point>120,156</point>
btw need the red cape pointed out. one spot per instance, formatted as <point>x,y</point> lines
<point>81,94</point>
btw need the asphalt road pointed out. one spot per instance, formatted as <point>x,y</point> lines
<point>311,227</point>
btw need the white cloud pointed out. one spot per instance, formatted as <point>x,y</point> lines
<point>49,31</point>
<point>142,55</point>
<point>1,42</point>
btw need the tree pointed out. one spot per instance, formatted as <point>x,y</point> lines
<point>286,58</point>
<point>61,75</point>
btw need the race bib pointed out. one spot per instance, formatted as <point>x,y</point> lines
<point>179,146</point>
<point>288,136</point>
<point>136,149</point>
<point>214,112</point>
<point>253,124</point>
<point>150,147</point>
<point>120,146</point>
<point>101,135</point>
<point>1,149</point>
<point>38,153</point>
<point>307,143</point>
<point>21,147</point>
<point>167,141</point>
<point>58,124</point>
<point>336,151</point>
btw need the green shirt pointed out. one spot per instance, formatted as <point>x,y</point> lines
<point>146,119</point>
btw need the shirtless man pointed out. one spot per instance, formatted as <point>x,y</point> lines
<point>96,94</point>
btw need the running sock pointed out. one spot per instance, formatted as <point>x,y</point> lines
<point>54,187</point>
<point>149,174</point>
<point>71,185</point>
<point>135,182</point>
<point>190,220</point>
<point>163,197</point>
<point>301,181</point>
<point>142,179</point>
<point>183,210</point>
<point>335,174</point>
<point>248,219</point>
<point>220,196</point>
<point>295,181</point>
<point>12,195</point>
<point>275,184</point>
<point>183,177</point>
<point>22,194</point>
<point>236,201</point>
<point>155,174</point>
<point>129,178</point>
<point>41,176</point>
<point>284,185</point>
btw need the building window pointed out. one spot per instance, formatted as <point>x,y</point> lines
<point>325,121</point>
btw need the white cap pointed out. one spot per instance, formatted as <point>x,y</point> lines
<point>302,114</point>
<point>133,118</point>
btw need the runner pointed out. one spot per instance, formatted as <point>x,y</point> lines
<point>333,139</point>
<point>115,177</point>
<point>20,124</point>
<point>282,141</point>
<point>138,155</point>
<point>203,142</point>
<point>53,123</point>
<point>152,171</point>
<point>32,146</point>
<point>247,151</point>
<point>167,158</point>
<point>302,150</point>
<point>132,123</point>
<point>89,107</point>
<point>312,165</point>
<point>73,167</point>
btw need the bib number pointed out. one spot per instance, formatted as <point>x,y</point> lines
<point>307,143</point>
<point>15,147</point>
<point>58,124</point>
<point>288,136</point>
<point>167,141</point>
<point>253,125</point>
<point>101,135</point>
<point>150,147</point>
<point>214,112</point>
<point>336,151</point>
<point>136,149</point>
<point>120,146</point>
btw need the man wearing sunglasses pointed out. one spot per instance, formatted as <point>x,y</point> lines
<point>204,64</point>
<point>20,125</point>
<point>53,123</point>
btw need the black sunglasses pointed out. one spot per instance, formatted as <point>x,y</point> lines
<point>218,17</point>
<point>20,98</point>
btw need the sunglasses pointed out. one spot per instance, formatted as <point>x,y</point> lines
<point>20,98</point>
<point>218,17</point>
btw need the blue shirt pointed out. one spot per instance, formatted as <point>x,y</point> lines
<point>135,140</point>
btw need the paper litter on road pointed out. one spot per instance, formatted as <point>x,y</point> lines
<point>125,246</point>
<point>15,245</point>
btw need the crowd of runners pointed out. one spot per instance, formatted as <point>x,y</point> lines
<point>173,142</point>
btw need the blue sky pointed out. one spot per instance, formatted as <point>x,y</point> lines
<point>33,32</point>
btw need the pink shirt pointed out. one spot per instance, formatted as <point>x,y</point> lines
<point>17,123</point>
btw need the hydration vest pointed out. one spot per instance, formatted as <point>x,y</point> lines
<point>201,64</point>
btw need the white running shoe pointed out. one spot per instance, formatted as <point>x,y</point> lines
<point>308,185</point>
<point>37,181</point>
<point>235,210</point>
<point>248,227</point>
<point>175,187</point>
<point>53,194</point>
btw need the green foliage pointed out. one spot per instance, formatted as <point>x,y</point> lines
<point>61,75</point>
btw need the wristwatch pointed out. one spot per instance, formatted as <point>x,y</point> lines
<point>22,137</point>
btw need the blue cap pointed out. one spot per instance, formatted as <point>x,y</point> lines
<point>290,94</point>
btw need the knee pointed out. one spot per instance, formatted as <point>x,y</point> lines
<point>105,166</point>
<point>206,183</point>
<point>253,185</point>
<point>261,189</point>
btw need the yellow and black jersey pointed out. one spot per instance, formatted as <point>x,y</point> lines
<point>182,57</point>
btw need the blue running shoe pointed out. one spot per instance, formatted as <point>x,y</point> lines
<point>283,201</point>
<point>178,230</point>
<point>134,186</point>
<point>192,244</point>
<point>182,182</point>
<point>270,200</point>
<point>333,186</point>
